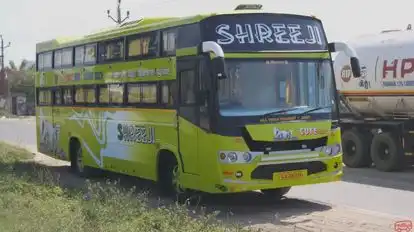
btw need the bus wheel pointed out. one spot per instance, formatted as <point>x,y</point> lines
<point>387,152</point>
<point>355,149</point>
<point>276,194</point>
<point>77,160</point>
<point>175,180</point>
<point>169,181</point>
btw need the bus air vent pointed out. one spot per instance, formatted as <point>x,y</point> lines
<point>249,7</point>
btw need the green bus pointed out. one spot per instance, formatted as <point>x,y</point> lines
<point>218,103</point>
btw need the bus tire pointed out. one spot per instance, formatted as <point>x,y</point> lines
<point>387,152</point>
<point>168,173</point>
<point>356,149</point>
<point>76,159</point>
<point>276,194</point>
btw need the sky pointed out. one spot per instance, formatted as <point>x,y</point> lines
<point>26,22</point>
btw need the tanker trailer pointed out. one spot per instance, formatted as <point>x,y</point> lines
<point>377,108</point>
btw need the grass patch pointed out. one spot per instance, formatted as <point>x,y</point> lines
<point>33,201</point>
<point>11,154</point>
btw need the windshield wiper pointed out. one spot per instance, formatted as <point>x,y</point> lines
<point>280,111</point>
<point>313,109</point>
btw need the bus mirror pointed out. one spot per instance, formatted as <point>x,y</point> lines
<point>219,68</point>
<point>350,52</point>
<point>356,67</point>
<point>218,63</point>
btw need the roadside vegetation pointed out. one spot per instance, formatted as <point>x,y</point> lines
<point>5,114</point>
<point>31,199</point>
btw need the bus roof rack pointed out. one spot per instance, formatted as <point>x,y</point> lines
<point>249,7</point>
<point>391,30</point>
<point>408,28</point>
<point>132,22</point>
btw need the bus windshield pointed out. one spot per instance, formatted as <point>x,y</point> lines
<point>258,87</point>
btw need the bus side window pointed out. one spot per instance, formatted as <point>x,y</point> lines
<point>103,94</point>
<point>168,93</point>
<point>116,93</point>
<point>149,93</point>
<point>90,95</point>
<point>79,95</point>
<point>134,93</point>
<point>111,50</point>
<point>188,95</point>
<point>169,42</point>
<point>67,96</point>
<point>45,97</point>
<point>57,98</point>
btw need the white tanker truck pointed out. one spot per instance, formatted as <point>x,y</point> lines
<point>377,109</point>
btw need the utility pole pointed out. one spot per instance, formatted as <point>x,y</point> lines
<point>3,82</point>
<point>2,48</point>
<point>118,19</point>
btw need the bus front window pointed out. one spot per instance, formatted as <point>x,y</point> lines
<point>257,87</point>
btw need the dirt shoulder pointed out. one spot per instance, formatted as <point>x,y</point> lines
<point>252,211</point>
<point>336,219</point>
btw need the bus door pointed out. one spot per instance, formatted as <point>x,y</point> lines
<point>188,113</point>
<point>55,128</point>
<point>46,115</point>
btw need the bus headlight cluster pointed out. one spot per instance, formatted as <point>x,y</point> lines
<point>332,149</point>
<point>235,157</point>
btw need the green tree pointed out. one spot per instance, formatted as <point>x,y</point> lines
<point>21,79</point>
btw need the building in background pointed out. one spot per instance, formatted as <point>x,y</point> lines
<point>17,89</point>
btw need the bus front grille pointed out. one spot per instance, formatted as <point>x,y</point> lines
<point>265,172</point>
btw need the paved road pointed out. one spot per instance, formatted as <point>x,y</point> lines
<point>389,193</point>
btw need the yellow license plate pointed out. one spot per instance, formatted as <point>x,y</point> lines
<point>293,175</point>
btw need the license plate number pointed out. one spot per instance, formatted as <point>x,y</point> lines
<point>292,175</point>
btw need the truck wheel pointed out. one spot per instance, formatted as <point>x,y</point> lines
<point>387,152</point>
<point>355,149</point>
<point>276,194</point>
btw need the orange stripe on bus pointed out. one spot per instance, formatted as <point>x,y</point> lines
<point>111,108</point>
<point>379,92</point>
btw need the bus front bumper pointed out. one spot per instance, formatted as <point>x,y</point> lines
<point>268,175</point>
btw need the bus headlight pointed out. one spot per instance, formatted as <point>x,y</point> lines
<point>247,156</point>
<point>332,150</point>
<point>336,149</point>
<point>237,157</point>
<point>232,156</point>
